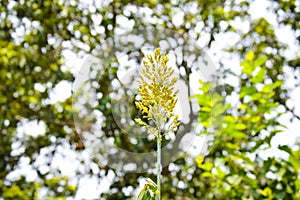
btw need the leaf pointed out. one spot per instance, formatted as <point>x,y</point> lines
<point>149,191</point>
<point>203,100</point>
<point>145,195</point>
<point>238,134</point>
<point>250,181</point>
<point>247,90</point>
<point>259,61</point>
<point>257,96</point>
<point>226,186</point>
<point>259,77</point>
<point>152,186</point>
<point>280,174</point>
<point>267,88</point>
<point>199,160</point>
<point>267,192</point>
<point>204,117</point>
<point>250,55</point>
<point>255,119</point>
<point>247,68</point>
<point>243,107</point>
<point>207,166</point>
<point>220,173</point>
<point>207,175</point>
<point>285,148</point>
<point>295,162</point>
<point>232,146</point>
<point>277,84</point>
<point>297,184</point>
<point>216,98</point>
<point>240,126</point>
<point>234,180</point>
<point>218,109</point>
<point>274,132</point>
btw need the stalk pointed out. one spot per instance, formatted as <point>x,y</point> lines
<point>158,164</point>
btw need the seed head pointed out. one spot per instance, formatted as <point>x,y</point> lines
<point>156,88</point>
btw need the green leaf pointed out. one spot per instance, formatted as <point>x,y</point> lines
<point>257,96</point>
<point>149,191</point>
<point>259,77</point>
<point>207,166</point>
<point>218,109</point>
<point>267,192</point>
<point>234,180</point>
<point>259,61</point>
<point>297,184</point>
<point>204,117</point>
<point>238,134</point>
<point>280,174</point>
<point>216,98</point>
<point>255,119</point>
<point>250,181</point>
<point>250,55</point>
<point>277,84</point>
<point>152,186</point>
<point>220,173</point>
<point>204,100</point>
<point>285,148</point>
<point>226,186</point>
<point>199,160</point>
<point>145,195</point>
<point>295,162</point>
<point>274,132</point>
<point>247,68</point>
<point>267,88</point>
<point>247,90</point>
<point>232,146</point>
<point>207,175</point>
<point>240,126</point>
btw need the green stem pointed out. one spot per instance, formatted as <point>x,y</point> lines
<point>158,164</point>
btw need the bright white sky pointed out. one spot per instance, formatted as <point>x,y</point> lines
<point>89,187</point>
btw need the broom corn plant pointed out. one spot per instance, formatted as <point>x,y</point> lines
<point>158,100</point>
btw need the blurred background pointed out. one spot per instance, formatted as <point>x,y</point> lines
<point>254,45</point>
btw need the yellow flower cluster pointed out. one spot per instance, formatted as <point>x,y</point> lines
<point>156,87</point>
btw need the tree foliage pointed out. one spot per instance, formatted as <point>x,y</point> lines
<point>34,36</point>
